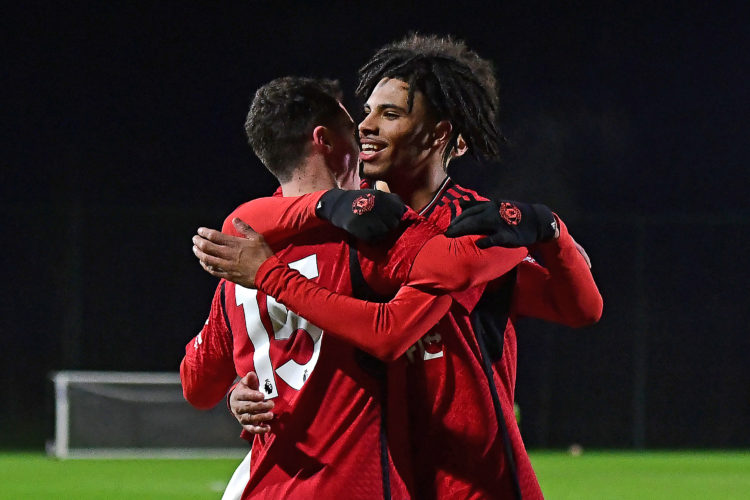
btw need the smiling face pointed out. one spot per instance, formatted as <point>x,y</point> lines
<point>398,145</point>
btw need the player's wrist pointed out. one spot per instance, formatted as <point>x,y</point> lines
<point>269,276</point>
<point>327,203</point>
<point>366,214</point>
<point>546,222</point>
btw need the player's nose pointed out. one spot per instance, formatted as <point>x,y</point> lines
<point>367,126</point>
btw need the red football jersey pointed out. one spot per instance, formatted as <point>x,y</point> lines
<point>456,383</point>
<point>460,377</point>
<point>328,435</point>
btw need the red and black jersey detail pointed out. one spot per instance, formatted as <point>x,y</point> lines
<point>488,312</point>
<point>449,194</point>
<point>491,314</point>
<point>489,319</point>
<point>378,369</point>
<point>361,290</point>
<point>224,310</point>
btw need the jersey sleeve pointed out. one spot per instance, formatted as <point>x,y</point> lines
<point>563,291</point>
<point>207,370</point>
<point>385,330</point>
<point>455,264</point>
<point>278,217</point>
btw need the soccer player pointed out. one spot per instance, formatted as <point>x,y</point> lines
<point>332,439</point>
<point>440,81</point>
<point>329,432</point>
<point>460,376</point>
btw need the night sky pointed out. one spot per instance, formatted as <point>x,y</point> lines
<point>123,133</point>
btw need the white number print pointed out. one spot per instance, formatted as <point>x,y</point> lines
<point>285,323</point>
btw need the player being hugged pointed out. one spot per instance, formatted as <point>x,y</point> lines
<point>430,99</point>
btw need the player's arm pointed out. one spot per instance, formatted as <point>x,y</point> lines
<point>446,265</point>
<point>292,215</point>
<point>207,369</point>
<point>366,214</point>
<point>385,330</point>
<point>563,291</point>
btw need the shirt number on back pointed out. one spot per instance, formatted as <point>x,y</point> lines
<point>284,324</point>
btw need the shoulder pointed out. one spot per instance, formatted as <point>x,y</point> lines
<point>444,206</point>
<point>243,211</point>
<point>461,192</point>
<point>250,211</point>
<point>417,230</point>
<point>394,257</point>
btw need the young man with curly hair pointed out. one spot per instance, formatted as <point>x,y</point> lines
<point>430,99</point>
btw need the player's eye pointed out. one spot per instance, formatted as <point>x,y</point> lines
<point>390,115</point>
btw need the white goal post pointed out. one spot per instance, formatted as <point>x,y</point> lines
<point>137,415</point>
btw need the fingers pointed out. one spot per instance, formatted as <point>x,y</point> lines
<point>257,429</point>
<point>209,262</point>
<point>484,243</point>
<point>214,271</point>
<point>467,225</point>
<point>474,219</point>
<point>247,390</point>
<point>243,228</point>
<point>251,380</point>
<point>583,253</point>
<point>466,204</point>
<point>257,423</point>
<point>252,408</point>
<point>469,208</point>
<point>242,392</point>
<point>210,248</point>
<point>396,209</point>
<point>255,418</point>
<point>215,236</point>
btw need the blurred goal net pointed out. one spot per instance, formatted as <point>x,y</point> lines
<point>134,415</point>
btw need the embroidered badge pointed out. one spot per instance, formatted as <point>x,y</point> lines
<point>363,204</point>
<point>510,213</point>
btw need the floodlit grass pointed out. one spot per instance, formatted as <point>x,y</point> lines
<point>644,476</point>
<point>35,476</point>
<point>593,475</point>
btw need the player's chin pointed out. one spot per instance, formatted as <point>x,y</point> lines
<point>372,170</point>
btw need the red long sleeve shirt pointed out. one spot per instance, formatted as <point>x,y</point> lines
<point>563,291</point>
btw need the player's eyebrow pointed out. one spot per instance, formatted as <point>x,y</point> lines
<point>384,106</point>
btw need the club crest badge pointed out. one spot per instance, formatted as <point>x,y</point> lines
<point>510,213</point>
<point>363,204</point>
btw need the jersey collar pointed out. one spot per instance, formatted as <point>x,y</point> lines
<point>441,190</point>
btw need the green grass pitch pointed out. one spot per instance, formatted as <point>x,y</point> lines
<point>593,475</point>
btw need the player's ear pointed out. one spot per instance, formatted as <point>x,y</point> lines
<point>442,133</point>
<point>321,137</point>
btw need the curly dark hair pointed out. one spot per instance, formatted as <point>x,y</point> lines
<point>282,116</point>
<point>459,86</point>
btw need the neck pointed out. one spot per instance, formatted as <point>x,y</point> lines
<point>418,191</point>
<point>312,175</point>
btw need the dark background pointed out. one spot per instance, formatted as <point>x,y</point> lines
<point>122,133</point>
